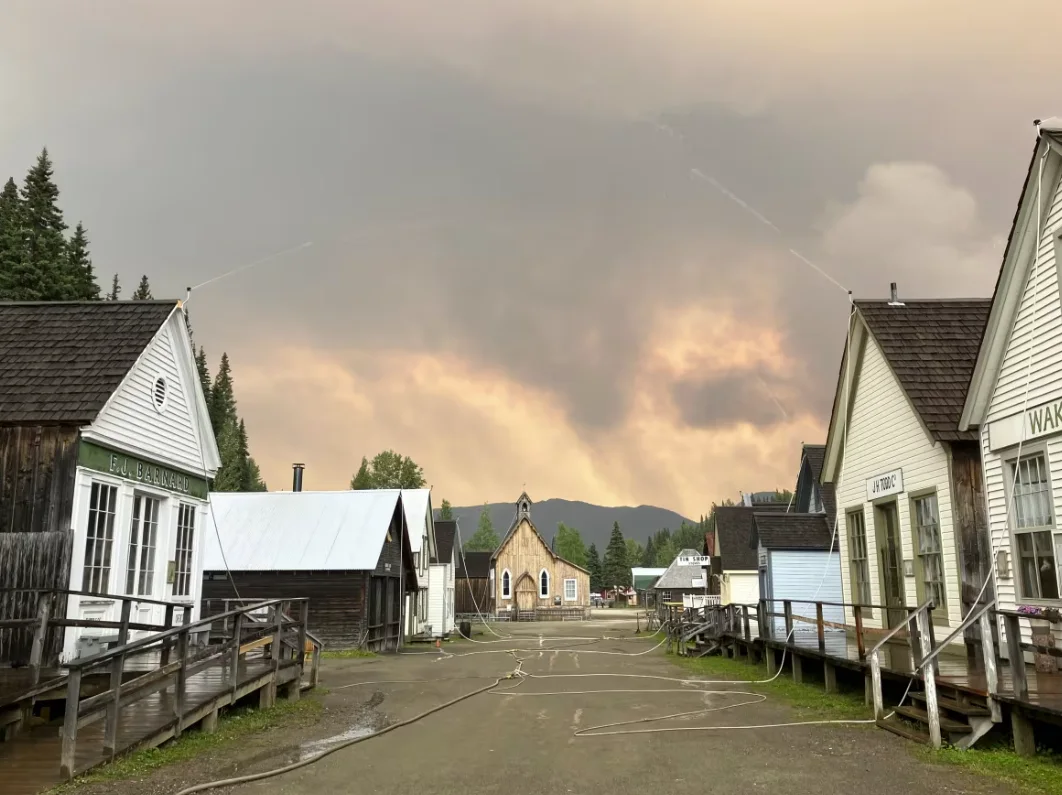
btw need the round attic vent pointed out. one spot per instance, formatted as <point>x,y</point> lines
<point>159,393</point>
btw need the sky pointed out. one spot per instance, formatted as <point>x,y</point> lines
<point>572,248</point>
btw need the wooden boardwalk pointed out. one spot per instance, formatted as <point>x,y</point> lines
<point>140,694</point>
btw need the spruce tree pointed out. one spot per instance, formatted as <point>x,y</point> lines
<point>254,477</point>
<point>615,569</point>
<point>116,290</point>
<point>593,565</point>
<point>222,399</point>
<point>363,479</point>
<point>649,557</point>
<point>230,474</point>
<point>446,512</point>
<point>44,274</point>
<point>143,290</point>
<point>79,266</point>
<point>485,539</point>
<point>10,241</point>
<point>204,374</point>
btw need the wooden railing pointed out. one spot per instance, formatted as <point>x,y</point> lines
<point>179,657</point>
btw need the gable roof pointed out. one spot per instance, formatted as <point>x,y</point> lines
<point>300,531</point>
<point>815,455</point>
<point>791,531</point>
<point>1022,241</point>
<point>63,360</point>
<point>445,532</point>
<point>512,529</point>
<point>415,502</point>
<point>734,525</point>
<point>644,578</point>
<point>473,565</point>
<point>931,347</point>
<point>677,577</point>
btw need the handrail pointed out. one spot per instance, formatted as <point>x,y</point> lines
<point>137,645</point>
<point>971,617</point>
<point>831,604</point>
<point>94,595</point>
<point>927,605</point>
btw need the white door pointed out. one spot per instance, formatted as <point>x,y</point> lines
<point>140,569</point>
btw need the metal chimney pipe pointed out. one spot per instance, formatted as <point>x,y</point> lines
<point>892,293</point>
<point>296,479</point>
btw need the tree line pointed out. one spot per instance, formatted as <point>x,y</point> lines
<point>38,262</point>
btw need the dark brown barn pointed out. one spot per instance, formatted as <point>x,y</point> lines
<point>347,551</point>
<point>473,593</point>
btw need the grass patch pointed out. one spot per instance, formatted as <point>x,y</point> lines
<point>809,700</point>
<point>347,654</point>
<point>1041,774</point>
<point>233,725</point>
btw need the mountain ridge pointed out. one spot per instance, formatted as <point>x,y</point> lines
<point>594,522</point>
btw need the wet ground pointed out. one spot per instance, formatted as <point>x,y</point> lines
<point>537,734</point>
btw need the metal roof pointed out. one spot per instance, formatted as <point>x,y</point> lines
<point>645,578</point>
<point>415,503</point>
<point>298,531</point>
<point>678,576</point>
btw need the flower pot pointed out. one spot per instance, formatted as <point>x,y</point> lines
<point>1044,642</point>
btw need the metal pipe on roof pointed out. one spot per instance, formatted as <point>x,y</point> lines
<point>296,477</point>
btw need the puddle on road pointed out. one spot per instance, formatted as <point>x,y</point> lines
<point>317,747</point>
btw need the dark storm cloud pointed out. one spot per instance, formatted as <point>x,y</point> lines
<point>727,400</point>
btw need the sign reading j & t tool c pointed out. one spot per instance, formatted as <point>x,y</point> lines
<point>885,485</point>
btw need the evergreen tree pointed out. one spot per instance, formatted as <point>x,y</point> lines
<point>446,512</point>
<point>635,552</point>
<point>115,289</point>
<point>568,543</point>
<point>203,368</point>
<point>593,565</point>
<point>649,556</point>
<point>80,266</point>
<point>143,290</point>
<point>485,539</point>
<point>231,473</point>
<point>222,399</point>
<point>10,241</point>
<point>254,477</point>
<point>362,480</point>
<point>615,571</point>
<point>43,273</point>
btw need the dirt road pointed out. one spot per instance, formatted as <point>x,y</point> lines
<point>524,741</point>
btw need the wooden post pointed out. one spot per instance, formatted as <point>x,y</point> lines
<point>875,686</point>
<point>931,632</point>
<point>237,636</point>
<point>798,668</point>
<point>860,642</point>
<point>772,661</point>
<point>988,650</point>
<point>764,629</point>
<point>929,678</point>
<point>1012,626</point>
<point>745,622</point>
<point>168,621</point>
<point>181,684</point>
<point>914,643</point>
<point>209,724</point>
<point>788,609</point>
<point>68,755</point>
<point>110,732</point>
<point>40,635</point>
<point>821,626</point>
<point>304,623</point>
<point>829,676</point>
<point>278,632</point>
<point>1024,736</point>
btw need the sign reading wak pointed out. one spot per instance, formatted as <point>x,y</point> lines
<point>885,485</point>
<point>695,560</point>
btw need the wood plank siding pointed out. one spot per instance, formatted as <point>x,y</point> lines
<point>472,595</point>
<point>37,470</point>
<point>525,556</point>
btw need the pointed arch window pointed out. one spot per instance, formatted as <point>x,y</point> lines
<point>507,585</point>
<point>543,584</point>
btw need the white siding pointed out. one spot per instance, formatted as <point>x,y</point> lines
<point>437,598</point>
<point>805,576</point>
<point>741,588</point>
<point>1044,378</point>
<point>884,433</point>
<point>130,420</point>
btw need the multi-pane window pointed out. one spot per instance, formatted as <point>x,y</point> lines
<point>569,590</point>
<point>665,596</point>
<point>143,535</point>
<point>99,538</point>
<point>543,584</point>
<point>930,550</point>
<point>1033,522</point>
<point>182,581</point>
<point>857,554</point>
<point>506,585</point>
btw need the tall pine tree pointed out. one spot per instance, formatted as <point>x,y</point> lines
<point>116,289</point>
<point>363,479</point>
<point>143,290</point>
<point>10,241</point>
<point>204,373</point>
<point>222,398</point>
<point>615,569</point>
<point>593,565</point>
<point>80,266</point>
<point>446,511</point>
<point>44,275</point>
<point>485,539</point>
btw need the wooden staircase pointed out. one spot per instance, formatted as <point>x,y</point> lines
<point>964,719</point>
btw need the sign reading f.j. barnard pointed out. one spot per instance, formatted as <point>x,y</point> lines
<point>1044,420</point>
<point>139,470</point>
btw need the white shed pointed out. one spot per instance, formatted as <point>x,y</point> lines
<point>441,580</point>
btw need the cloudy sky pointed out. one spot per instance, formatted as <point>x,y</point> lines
<point>529,263</point>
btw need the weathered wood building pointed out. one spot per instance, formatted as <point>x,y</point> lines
<point>105,454</point>
<point>347,551</point>
<point>686,580</point>
<point>528,576</point>
<point>472,586</point>
<point>911,521</point>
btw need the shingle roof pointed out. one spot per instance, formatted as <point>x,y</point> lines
<point>791,531</point>
<point>932,348</point>
<point>816,455</point>
<point>61,361</point>
<point>473,565</point>
<point>734,526</point>
<point>679,576</point>
<point>445,530</point>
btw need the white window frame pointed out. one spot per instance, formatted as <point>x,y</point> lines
<point>549,582</point>
<point>184,550</point>
<point>1030,452</point>
<point>862,563</point>
<point>96,578</point>
<point>506,584</point>
<point>142,557</point>
<point>940,612</point>
<point>665,596</point>
<point>575,589</point>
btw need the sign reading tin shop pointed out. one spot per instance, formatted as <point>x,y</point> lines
<point>884,485</point>
<point>138,470</point>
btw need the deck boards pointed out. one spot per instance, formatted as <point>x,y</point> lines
<point>30,763</point>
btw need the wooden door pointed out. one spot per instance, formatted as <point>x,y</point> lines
<point>890,560</point>
<point>526,594</point>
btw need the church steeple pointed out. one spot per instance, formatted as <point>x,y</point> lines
<point>523,507</point>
